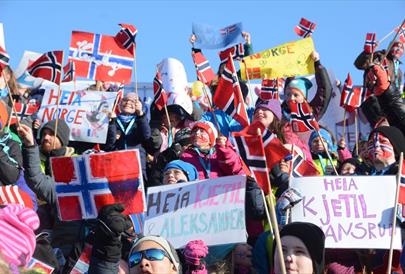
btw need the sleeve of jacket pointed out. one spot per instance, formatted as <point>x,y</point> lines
<point>9,170</point>
<point>323,94</point>
<point>229,162</point>
<point>248,49</point>
<point>111,136</point>
<point>41,184</point>
<point>143,127</point>
<point>254,202</point>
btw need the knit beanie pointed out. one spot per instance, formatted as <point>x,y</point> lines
<point>395,136</point>
<point>273,105</point>
<point>63,130</point>
<point>17,238</point>
<point>194,253</point>
<point>4,114</point>
<point>326,136</point>
<point>189,170</point>
<point>313,238</point>
<point>302,84</point>
<point>208,127</point>
<point>12,194</point>
<point>170,250</point>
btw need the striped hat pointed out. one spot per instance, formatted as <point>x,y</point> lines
<point>12,194</point>
<point>17,238</point>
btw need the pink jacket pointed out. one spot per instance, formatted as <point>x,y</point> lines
<point>292,138</point>
<point>223,161</point>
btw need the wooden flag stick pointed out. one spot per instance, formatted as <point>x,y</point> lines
<point>393,40</point>
<point>248,80</point>
<point>239,90</point>
<point>394,214</point>
<point>344,125</point>
<point>356,132</point>
<point>327,152</point>
<point>211,108</point>
<point>57,107</point>
<point>135,72</point>
<point>273,220</point>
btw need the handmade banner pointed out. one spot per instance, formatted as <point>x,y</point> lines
<point>99,57</point>
<point>286,60</point>
<point>85,112</point>
<point>210,37</point>
<point>213,210</point>
<point>86,183</point>
<point>350,210</point>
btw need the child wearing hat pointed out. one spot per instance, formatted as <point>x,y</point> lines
<point>178,171</point>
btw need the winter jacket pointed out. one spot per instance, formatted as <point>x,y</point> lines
<point>321,100</point>
<point>220,161</point>
<point>10,159</point>
<point>131,133</point>
<point>292,138</point>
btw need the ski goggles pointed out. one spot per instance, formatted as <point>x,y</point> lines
<point>153,254</point>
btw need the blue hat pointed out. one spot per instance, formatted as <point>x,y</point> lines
<point>303,84</point>
<point>326,136</point>
<point>189,170</point>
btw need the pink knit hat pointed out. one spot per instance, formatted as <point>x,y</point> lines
<point>17,238</point>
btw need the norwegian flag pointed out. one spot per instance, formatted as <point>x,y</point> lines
<point>48,66</point>
<point>351,97</point>
<point>401,198</point>
<point>99,57</point>
<point>364,93</point>
<point>86,183</point>
<point>237,52</point>
<point>23,111</point>
<point>269,90</point>
<point>204,71</point>
<point>160,95</point>
<point>302,118</point>
<point>302,167</point>
<point>371,43</point>
<point>126,37</point>
<point>251,150</point>
<point>401,33</point>
<point>4,58</point>
<point>305,28</point>
<point>228,95</point>
<point>69,72</point>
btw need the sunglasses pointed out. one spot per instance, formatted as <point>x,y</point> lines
<point>152,254</point>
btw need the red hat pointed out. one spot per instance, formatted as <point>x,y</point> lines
<point>208,127</point>
<point>3,114</point>
<point>12,194</point>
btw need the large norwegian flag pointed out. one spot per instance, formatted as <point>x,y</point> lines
<point>23,111</point>
<point>401,198</point>
<point>86,183</point>
<point>160,96</point>
<point>99,57</point>
<point>305,28</point>
<point>370,43</point>
<point>126,37</point>
<point>401,33</point>
<point>302,167</point>
<point>302,118</point>
<point>69,72</point>
<point>237,52</point>
<point>4,58</point>
<point>251,150</point>
<point>228,95</point>
<point>269,89</point>
<point>204,71</point>
<point>351,97</point>
<point>48,66</point>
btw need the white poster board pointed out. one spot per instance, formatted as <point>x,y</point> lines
<point>211,210</point>
<point>353,212</point>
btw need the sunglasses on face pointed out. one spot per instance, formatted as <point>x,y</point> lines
<point>152,254</point>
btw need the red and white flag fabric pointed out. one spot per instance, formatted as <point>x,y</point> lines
<point>4,59</point>
<point>204,71</point>
<point>370,43</point>
<point>12,194</point>
<point>302,167</point>
<point>86,183</point>
<point>351,97</point>
<point>270,89</point>
<point>126,37</point>
<point>401,33</point>
<point>401,197</point>
<point>69,72</point>
<point>228,95</point>
<point>302,118</point>
<point>100,57</point>
<point>23,111</point>
<point>160,96</point>
<point>305,28</point>
<point>48,66</point>
<point>237,52</point>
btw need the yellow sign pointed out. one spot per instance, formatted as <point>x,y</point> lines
<point>286,60</point>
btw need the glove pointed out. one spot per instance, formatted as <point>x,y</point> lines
<point>107,244</point>
<point>287,200</point>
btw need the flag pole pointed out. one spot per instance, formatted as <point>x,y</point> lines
<point>135,72</point>
<point>57,107</point>
<point>274,219</point>
<point>248,80</point>
<point>237,81</point>
<point>344,124</point>
<point>166,111</point>
<point>327,152</point>
<point>393,40</point>
<point>394,214</point>
<point>211,108</point>
<point>357,132</point>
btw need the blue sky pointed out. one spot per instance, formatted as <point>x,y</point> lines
<point>165,26</point>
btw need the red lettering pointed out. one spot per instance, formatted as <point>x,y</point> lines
<point>78,116</point>
<point>52,97</point>
<point>48,114</point>
<point>62,115</point>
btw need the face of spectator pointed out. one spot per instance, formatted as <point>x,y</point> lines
<point>380,151</point>
<point>48,139</point>
<point>295,95</point>
<point>158,261</point>
<point>128,105</point>
<point>200,138</point>
<point>175,120</point>
<point>316,145</point>
<point>296,256</point>
<point>397,50</point>
<point>348,169</point>
<point>173,175</point>
<point>263,115</point>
